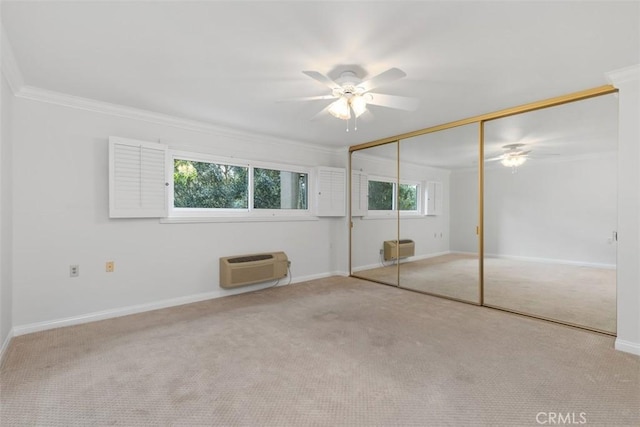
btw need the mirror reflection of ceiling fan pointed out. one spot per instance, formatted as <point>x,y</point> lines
<point>351,95</point>
<point>513,155</point>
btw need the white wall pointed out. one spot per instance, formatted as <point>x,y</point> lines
<point>430,233</point>
<point>54,206</point>
<point>628,278</point>
<point>6,215</point>
<point>60,190</point>
<point>464,210</point>
<point>558,210</point>
<point>562,211</point>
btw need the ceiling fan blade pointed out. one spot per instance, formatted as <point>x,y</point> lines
<point>385,77</point>
<point>307,98</point>
<point>493,159</point>
<point>540,155</point>
<point>319,77</point>
<point>520,153</point>
<point>392,101</point>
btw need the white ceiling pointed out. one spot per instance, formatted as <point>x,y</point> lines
<point>228,63</point>
<point>568,131</point>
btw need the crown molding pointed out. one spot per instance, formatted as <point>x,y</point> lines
<point>10,68</point>
<point>43,95</point>
<point>624,75</point>
<point>13,75</point>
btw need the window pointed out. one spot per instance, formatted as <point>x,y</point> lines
<point>385,198</point>
<point>408,197</point>
<point>276,189</point>
<point>148,180</point>
<point>204,187</point>
<point>381,195</point>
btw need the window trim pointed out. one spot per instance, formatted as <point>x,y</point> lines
<point>198,214</point>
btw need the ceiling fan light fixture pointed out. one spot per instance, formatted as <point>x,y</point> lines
<point>340,109</point>
<point>352,96</point>
<point>513,161</point>
<point>358,105</point>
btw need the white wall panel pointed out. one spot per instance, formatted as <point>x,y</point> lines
<point>61,218</point>
<point>6,214</point>
<point>555,210</point>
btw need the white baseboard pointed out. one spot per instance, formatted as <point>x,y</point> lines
<point>314,277</point>
<point>427,256</point>
<point>156,305</point>
<point>554,261</point>
<point>627,346</point>
<point>339,273</point>
<point>5,345</point>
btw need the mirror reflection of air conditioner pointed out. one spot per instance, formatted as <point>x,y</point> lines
<point>394,249</point>
<point>242,270</point>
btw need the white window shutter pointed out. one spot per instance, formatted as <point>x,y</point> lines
<point>137,179</point>
<point>359,193</point>
<point>434,198</point>
<point>331,184</point>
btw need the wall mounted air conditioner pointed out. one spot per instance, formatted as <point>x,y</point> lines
<point>394,250</point>
<point>241,270</point>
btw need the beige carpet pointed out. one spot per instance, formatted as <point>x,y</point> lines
<point>334,352</point>
<point>580,295</point>
<point>452,275</point>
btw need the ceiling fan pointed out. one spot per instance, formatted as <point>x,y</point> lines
<point>514,155</point>
<point>352,95</point>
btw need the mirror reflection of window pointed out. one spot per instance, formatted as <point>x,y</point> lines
<point>374,235</point>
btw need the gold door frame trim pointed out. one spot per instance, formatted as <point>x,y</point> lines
<point>524,108</point>
<point>481,211</point>
<point>480,120</point>
<point>549,319</point>
<point>396,203</point>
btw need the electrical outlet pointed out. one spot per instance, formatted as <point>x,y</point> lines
<point>110,266</point>
<point>74,270</point>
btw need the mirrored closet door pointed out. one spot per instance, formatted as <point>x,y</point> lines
<point>438,201</point>
<point>374,232</point>
<point>550,189</point>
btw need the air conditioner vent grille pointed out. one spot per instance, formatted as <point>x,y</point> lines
<point>241,270</point>
<point>248,258</point>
